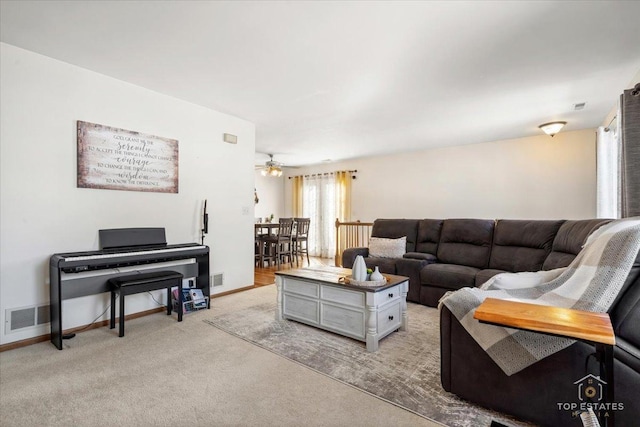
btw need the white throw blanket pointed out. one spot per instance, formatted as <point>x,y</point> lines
<point>591,283</point>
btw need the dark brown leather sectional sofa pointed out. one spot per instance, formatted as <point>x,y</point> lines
<point>449,254</point>
<point>444,255</point>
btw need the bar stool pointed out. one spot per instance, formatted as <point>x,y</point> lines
<point>301,238</point>
<point>279,246</point>
<point>258,246</point>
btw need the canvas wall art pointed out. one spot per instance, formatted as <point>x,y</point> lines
<point>119,159</point>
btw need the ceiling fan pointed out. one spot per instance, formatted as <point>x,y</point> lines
<point>271,167</point>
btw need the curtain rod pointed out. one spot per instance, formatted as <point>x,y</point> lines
<point>313,175</point>
<point>606,129</point>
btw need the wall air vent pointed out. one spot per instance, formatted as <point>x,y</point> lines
<point>579,106</point>
<point>217,279</point>
<point>17,319</point>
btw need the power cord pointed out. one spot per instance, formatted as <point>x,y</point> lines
<point>157,302</point>
<point>73,334</point>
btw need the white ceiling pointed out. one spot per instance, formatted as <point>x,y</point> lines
<point>338,80</point>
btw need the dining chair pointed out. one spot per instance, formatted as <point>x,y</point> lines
<point>262,232</point>
<point>258,246</point>
<point>301,239</point>
<point>279,246</point>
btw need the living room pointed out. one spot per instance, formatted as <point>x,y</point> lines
<point>44,93</point>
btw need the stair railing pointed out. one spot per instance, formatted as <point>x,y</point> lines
<point>352,234</point>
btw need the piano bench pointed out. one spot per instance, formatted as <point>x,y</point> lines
<point>142,282</point>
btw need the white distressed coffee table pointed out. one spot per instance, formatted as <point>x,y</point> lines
<point>316,297</point>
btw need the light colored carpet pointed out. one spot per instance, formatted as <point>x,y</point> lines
<point>165,373</point>
<point>405,370</point>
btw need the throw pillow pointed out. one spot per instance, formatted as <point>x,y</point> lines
<point>387,248</point>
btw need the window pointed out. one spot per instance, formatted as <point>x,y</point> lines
<point>319,204</point>
<point>323,198</point>
<point>608,171</point>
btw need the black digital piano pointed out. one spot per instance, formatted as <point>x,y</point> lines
<point>124,251</point>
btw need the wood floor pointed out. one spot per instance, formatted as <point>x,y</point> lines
<point>266,276</point>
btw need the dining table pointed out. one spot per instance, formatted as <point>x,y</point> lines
<point>266,227</point>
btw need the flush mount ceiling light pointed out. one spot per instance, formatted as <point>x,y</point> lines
<point>552,128</point>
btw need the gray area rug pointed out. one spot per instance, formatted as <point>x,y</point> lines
<point>404,371</point>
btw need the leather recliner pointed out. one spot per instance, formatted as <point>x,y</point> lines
<point>541,392</point>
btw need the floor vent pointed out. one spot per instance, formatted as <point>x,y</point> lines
<point>17,319</point>
<point>217,279</point>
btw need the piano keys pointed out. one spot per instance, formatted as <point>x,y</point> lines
<point>83,261</point>
<point>78,274</point>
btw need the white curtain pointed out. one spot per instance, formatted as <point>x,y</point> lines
<point>608,172</point>
<point>319,195</point>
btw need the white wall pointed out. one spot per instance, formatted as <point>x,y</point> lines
<point>271,194</point>
<point>529,178</point>
<point>42,211</point>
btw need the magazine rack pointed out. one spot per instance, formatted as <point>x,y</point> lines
<point>189,304</point>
